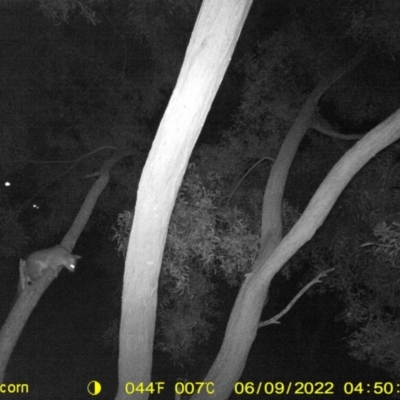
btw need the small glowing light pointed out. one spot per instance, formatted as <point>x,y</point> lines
<point>35,206</point>
<point>8,184</point>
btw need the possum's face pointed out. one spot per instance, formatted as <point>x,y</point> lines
<point>54,257</point>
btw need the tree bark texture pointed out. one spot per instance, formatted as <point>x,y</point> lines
<point>243,323</point>
<point>210,49</point>
<point>245,315</point>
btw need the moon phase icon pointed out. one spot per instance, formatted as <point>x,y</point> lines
<point>94,388</point>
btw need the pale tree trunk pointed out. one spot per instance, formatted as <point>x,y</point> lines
<point>29,297</point>
<point>243,323</point>
<point>210,49</point>
<point>244,319</point>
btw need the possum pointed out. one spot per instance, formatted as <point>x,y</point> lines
<point>33,266</point>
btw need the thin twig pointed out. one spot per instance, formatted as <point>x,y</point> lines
<point>244,176</point>
<point>43,188</point>
<point>274,320</point>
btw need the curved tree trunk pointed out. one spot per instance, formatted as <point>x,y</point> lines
<point>243,322</point>
<point>29,297</point>
<point>207,57</point>
<point>210,49</point>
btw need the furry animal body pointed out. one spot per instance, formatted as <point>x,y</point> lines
<point>34,265</point>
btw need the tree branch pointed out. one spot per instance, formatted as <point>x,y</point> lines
<point>29,297</point>
<point>271,225</point>
<point>43,188</point>
<point>323,126</point>
<point>247,173</point>
<point>274,320</point>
